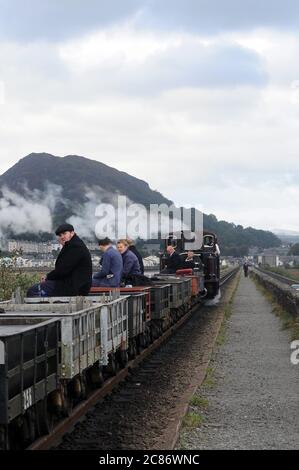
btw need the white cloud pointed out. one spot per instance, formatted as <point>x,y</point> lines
<point>270,205</point>
<point>191,115</point>
<point>130,61</point>
<point>214,16</point>
<point>55,20</point>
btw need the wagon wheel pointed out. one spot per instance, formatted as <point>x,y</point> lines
<point>4,442</point>
<point>132,349</point>
<point>29,426</point>
<point>95,376</point>
<point>123,358</point>
<point>145,339</point>
<point>67,400</point>
<point>44,418</point>
<point>15,434</point>
<point>112,367</point>
<point>21,432</point>
<point>150,336</point>
<point>84,387</point>
<point>140,344</point>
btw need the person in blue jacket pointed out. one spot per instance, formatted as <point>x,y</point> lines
<point>112,266</point>
<point>131,265</point>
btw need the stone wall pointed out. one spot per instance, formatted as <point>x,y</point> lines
<point>286,296</point>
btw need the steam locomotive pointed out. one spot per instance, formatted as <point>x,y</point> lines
<point>206,259</point>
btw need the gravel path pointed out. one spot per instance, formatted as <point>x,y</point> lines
<point>255,402</point>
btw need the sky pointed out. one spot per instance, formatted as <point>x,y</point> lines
<point>200,98</point>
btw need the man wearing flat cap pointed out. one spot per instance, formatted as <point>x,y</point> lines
<point>73,268</point>
<point>112,266</point>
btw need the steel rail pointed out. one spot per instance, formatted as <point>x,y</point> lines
<point>279,277</point>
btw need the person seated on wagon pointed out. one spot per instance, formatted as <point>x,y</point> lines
<point>134,250</point>
<point>111,266</point>
<point>73,268</point>
<point>173,261</point>
<point>131,265</point>
<point>189,260</point>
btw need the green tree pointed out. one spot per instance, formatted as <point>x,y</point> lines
<point>12,277</point>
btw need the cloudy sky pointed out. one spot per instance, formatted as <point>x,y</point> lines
<point>198,97</point>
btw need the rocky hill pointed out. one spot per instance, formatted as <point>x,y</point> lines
<point>68,184</point>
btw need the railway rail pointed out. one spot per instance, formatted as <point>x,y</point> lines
<point>48,441</point>
<point>279,277</point>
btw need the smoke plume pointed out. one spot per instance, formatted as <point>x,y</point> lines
<point>30,212</point>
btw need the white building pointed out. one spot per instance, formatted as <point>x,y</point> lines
<point>151,261</point>
<point>30,247</point>
<point>268,260</point>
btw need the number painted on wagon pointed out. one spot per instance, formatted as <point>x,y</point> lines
<point>27,398</point>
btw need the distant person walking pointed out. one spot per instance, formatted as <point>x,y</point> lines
<point>245,269</point>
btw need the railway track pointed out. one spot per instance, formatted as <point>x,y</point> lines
<point>279,277</point>
<point>63,427</point>
<point>226,276</point>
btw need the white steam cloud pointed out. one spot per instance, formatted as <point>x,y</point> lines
<point>116,216</point>
<point>84,219</point>
<point>103,214</point>
<point>30,212</point>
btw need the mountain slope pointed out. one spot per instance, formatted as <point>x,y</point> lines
<point>235,239</point>
<point>77,178</point>
<point>75,175</point>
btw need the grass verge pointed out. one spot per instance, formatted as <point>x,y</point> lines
<point>192,420</point>
<point>288,321</point>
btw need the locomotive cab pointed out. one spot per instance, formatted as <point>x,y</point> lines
<point>205,261</point>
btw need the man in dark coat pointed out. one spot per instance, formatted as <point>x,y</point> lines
<point>245,268</point>
<point>112,266</point>
<point>173,261</point>
<point>73,268</point>
<point>134,250</point>
<point>189,261</point>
